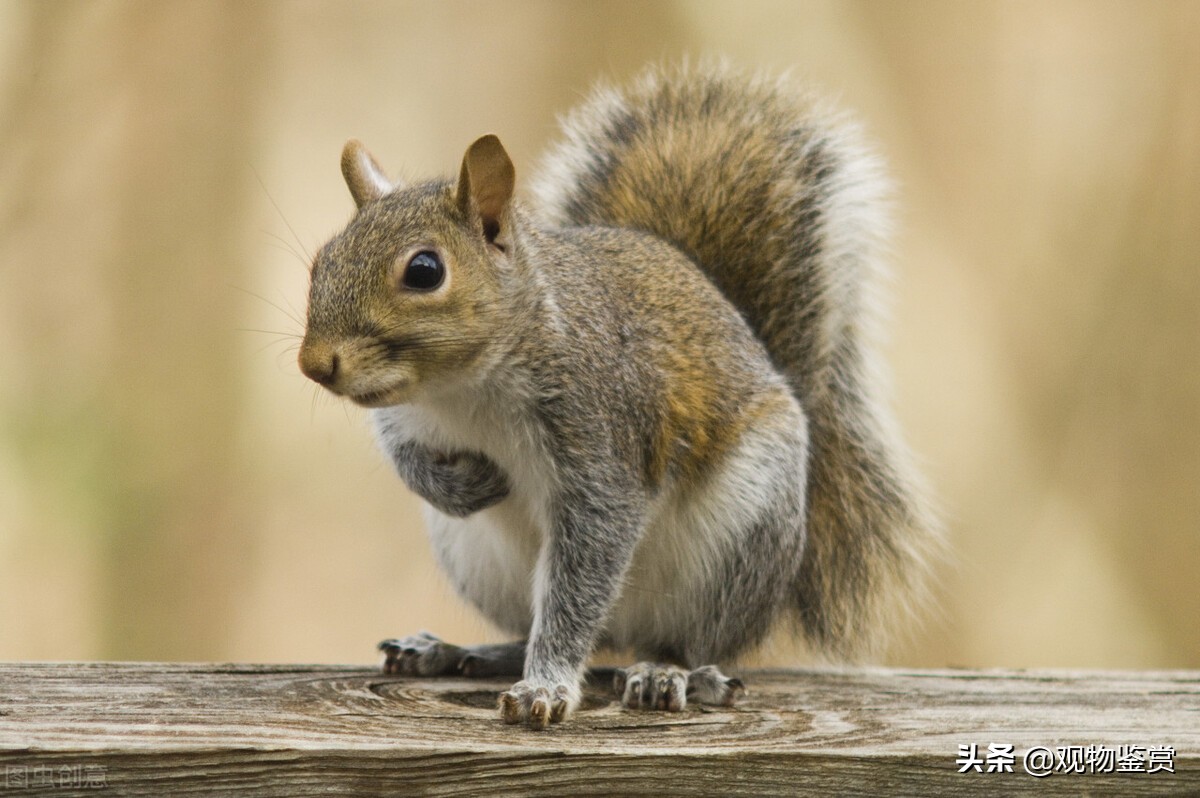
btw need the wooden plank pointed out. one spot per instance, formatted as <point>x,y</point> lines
<point>149,729</point>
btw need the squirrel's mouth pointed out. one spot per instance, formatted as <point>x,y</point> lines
<point>384,397</point>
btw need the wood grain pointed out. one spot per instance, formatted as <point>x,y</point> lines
<point>176,729</point>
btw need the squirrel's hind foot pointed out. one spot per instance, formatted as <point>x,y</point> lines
<point>648,685</point>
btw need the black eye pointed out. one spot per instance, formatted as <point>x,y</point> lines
<point>424,272</point>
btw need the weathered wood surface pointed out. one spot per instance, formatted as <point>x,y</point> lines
<point>176,729</point>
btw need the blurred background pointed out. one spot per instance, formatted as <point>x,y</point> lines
<point>171,487</point>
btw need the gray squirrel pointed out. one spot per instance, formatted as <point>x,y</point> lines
<point>643,409</point>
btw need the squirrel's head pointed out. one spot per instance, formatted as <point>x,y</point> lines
<point>410,292</point>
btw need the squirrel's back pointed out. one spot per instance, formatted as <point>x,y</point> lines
<point>777,202</point>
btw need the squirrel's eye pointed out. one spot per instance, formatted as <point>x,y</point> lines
<point>424,272</point>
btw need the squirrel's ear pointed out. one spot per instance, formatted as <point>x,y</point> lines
<point>363,174</point>
<point>486,181</point>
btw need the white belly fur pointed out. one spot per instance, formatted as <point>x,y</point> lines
<point>689,533</point>
<point>491,556</point>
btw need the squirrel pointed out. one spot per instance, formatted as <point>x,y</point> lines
<point>643,409</point>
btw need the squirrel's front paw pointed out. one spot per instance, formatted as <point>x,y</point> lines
<point>538,704</point>
<point>648,685</point>
<point>421,654</point>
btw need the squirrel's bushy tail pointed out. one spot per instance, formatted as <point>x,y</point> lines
<point>778,203</point>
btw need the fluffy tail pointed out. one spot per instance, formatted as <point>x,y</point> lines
<point>777,202</point>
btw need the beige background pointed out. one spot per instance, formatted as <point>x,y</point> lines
<point>172,488</point>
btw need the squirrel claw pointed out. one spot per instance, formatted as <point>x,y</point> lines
<point>537,706</point>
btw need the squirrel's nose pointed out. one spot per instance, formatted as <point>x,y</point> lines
<point>319,362</point>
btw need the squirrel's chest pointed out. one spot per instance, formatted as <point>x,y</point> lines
<point>490,556</point>
<point>508,436</point>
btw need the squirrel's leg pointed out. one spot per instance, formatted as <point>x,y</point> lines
<point>742,595</point>
<point>458,483</point>
<point>423,654</point>
<point>577,578</point>
<point>650,685</point>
